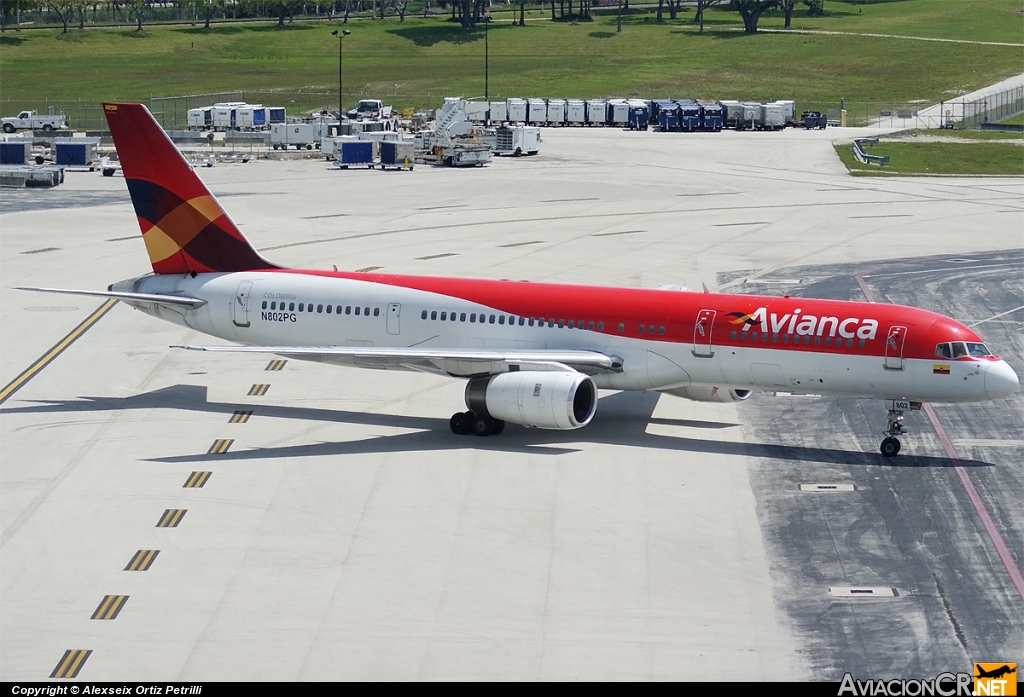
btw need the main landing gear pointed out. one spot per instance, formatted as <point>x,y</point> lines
<point>463,422</point>
<point>891,444</point>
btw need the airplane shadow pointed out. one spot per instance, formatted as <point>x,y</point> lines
<point>622,419</point>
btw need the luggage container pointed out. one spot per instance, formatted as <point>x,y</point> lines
<point>199,119</point>
<point>223,118</point>
<point>788,111</point>
<point>300,135</point>
<point>618,112</point>
<point>15,152</point>
<point>597,112</point>
<point>476,112</point>
<point>498,112</point>
<point>751,113</point>
<point>711,116</point>
<point>74,153</point>
<point>668,115</point>
<point>689,115</point>
<point>355,152</point>
<point>517,140</point>
<point>259,117</point>
<point>244,117</point>
<point>732,112</point>
<point>556,112</point>
<point>575,112</point>
<point>276,114</point>
<point>398,154</point>
<point>769,118</point>
<point>639,114</point>
<point>536,112</point>
<point>516,110</point>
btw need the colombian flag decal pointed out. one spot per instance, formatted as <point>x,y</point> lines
<point>940,369</point>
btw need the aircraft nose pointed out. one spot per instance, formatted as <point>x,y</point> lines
<point>1000,380</point>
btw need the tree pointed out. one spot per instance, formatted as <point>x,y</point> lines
<point>701,6</point>
<point>815,7</point>
<point>135,9</point>
<point>787,9</point>
<point>751,11</point>
<point>64,10</point>
<point>208,7</point>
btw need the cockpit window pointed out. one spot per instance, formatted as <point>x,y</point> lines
<point>959,349</point>
<point>977,349</point>
<point>943,351</point>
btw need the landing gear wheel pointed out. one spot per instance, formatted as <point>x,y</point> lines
<point>459,423</point>
<point>483,425</point>
<point>890,446</point>
<point>498,427</point>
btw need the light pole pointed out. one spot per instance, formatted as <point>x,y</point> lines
<point>341,92</point>
<point>487,21</point>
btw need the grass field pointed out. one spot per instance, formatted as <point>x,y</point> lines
<point>992,157</point>
<point>1017,120</point>
<point>416,63</point>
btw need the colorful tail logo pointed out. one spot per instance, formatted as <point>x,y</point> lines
<point>184,227</point>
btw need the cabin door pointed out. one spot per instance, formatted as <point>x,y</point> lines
<point>894,348</point>
<point>702,334</point>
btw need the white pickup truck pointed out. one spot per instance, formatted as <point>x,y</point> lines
<point>370,109</point>
<point>34,121</point>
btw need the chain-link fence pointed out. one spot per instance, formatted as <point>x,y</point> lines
<point>953,113</point>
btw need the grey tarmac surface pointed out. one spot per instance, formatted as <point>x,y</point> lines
<point>346,533</point>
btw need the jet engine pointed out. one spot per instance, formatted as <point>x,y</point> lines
<point>561,400</point>
<point>710,393</point>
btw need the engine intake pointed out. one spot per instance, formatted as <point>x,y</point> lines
<point>560,400</point>
<point>710,393</point>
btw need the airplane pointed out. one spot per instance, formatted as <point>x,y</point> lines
<point>533,354</point>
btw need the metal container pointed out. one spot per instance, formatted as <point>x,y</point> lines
<point>556,112</point>
<point>355,152</point>
<point>536,111</point>
<point>15,152</point>
<point>74,153</point>
<point>576,112</point>
<point>498,112</point>
<point>516,110</point>
<point>597,112</point>
<point>397,153</point>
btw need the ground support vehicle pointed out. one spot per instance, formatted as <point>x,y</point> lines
<point>35,122</point>
<point>517,140</point>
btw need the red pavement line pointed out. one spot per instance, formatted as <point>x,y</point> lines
<point>990,527</point>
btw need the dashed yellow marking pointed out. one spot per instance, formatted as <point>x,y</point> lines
<point>71,663</point>
<point>142,560</point>
<point>58,348</point>
<point>109,607</point>
<point>196,480</point>
<point>276,364</point>
<point>220,446</point>
<point>258,390</point>
<point>171,517</point>
<point>239,417</point>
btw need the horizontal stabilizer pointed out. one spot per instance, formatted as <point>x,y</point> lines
<point>128,297</point>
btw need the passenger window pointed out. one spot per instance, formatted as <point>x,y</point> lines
<point>376,312</point>
<point>732,335</point>
<point>828,341</point>
<point>291,307</point>
<point>753,336</point>
<point>433,315</point>
<point>622,327</point>
<point>590,326</point>
<point>501,319</point>
<point>862,343</point>
<point>357,310</point>
<point>943,351</point>
<point>348,309</point>
<point>451,317</point>
<point>337,310</point>
<point>661,331</point>
<point>959,350</point>
<point>444,316</point>
<point>329,308</point>
<point>462,317</point>
<point>472,317</point>
<point>531,321</point>
<point>522,321</point>
<point>640,329</point>
<point>650,330</point>
<point>319,308</point>
<point>551,322</point>
<point>600,326</point>
<point>561,323</point>
<point>264,304</point>
<point>366,311</point>
<point>807,341</point>
<point>775,338</point>
<point>785,338</point>
<point>817,341</point>
<point>423,315</point>
<point>491,320</point>
<point>301,306</point>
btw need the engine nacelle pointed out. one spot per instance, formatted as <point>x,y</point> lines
<point>561,400</point>
<point>710,393</point>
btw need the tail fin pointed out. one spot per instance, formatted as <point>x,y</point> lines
<point>184,227</point>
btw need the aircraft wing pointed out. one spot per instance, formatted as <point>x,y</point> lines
<point>454,362</point>
<point>127,297</point>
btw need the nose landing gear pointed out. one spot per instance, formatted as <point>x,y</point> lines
<point>891,443</point>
